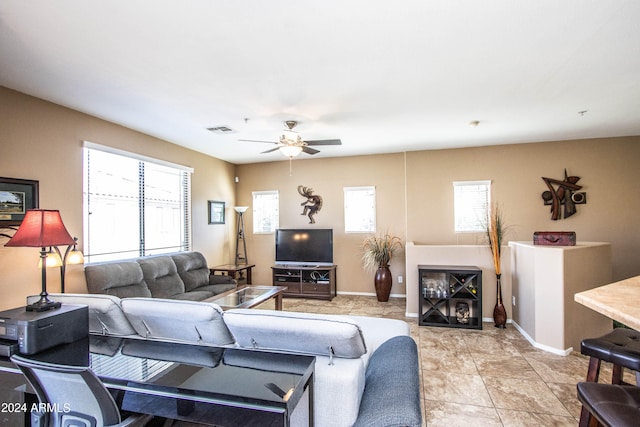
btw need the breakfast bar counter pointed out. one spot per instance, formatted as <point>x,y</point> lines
<point>618,301</point>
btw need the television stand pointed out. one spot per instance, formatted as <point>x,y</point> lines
<point>306,281</point>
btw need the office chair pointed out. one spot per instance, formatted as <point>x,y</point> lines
<point>72,396</point>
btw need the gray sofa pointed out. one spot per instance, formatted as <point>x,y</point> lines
<point>366,371</point>
<point>182,275</point>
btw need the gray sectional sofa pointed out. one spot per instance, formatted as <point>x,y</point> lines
<point>182,275</point>
<point>366,371</point>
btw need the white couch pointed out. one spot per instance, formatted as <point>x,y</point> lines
<point>343,346</point>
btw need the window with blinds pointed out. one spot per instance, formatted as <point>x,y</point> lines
<point>134,206</point>
<point>471,201</point>
<point>359,209</point>
<point>266,216</point>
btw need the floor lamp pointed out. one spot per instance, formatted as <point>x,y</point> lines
<point>42,228</point>
<point>241,259</point>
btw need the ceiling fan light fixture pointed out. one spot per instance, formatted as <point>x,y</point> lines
<point>291,150</point>
<point>290,137</point>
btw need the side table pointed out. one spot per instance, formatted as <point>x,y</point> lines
<point>232,270</point>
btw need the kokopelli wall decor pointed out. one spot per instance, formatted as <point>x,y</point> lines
<point>563,194</point>
<point>312,205</point>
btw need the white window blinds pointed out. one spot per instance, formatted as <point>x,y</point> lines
<point>134,206</point>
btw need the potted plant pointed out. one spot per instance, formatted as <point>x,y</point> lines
<point>495,235</point>
<point>379,249</point>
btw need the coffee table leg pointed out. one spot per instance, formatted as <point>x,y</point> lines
<point>279,302</point>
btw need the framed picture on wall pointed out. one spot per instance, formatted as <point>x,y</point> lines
<point>216,212</point>
<point>16,196</point>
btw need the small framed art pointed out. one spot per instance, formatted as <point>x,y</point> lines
<point>216,212</point>
<point>16,196</point>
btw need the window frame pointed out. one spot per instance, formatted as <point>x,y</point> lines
<point>260,216</point>
<point>146,168</point>
<point>478,221</point>
<point>353,191</point>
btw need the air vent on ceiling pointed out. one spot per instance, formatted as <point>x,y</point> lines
<point>221,130</point>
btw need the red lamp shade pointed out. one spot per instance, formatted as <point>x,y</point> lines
<point>41,228</point>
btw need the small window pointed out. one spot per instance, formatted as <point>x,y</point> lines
<point>471,202</point>
<point>265,211</point>
<point>359,209</point>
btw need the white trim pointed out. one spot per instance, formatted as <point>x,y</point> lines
<point>371,294</point>
<point>553,350</point>
<point>107,149</point>
<point>477,182</point>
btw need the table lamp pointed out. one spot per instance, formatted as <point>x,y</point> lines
<point>72,255</point>
<point>42,228</point>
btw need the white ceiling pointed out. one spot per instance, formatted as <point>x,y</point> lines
<point>383,76</point>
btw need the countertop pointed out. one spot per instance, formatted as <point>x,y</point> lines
<point>619,301</point>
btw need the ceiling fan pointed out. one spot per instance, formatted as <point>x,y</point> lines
<point>291,144</point>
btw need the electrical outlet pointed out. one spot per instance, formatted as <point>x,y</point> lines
<point>513,298</point>
<point>399,279</point>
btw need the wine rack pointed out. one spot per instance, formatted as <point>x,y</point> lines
<point>450,296</point>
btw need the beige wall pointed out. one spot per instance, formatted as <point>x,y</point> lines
<point>608,171</point>
<point>42,141</point>
<point>327,177</point>
<point>420,207</point>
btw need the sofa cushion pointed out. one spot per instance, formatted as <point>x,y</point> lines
<point>216,289</point>
<point>161,275</point>
<point>176,320</point>
<point>192,268</point>
<point>174,352</point>
<point>303,333</point>
<point>337,391</point>
<point>392,389</point>
<point>122,279</point>
<point>193,295</point>
<point>105,313</point>
<point>377,330</point>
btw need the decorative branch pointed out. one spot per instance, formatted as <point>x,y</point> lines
<point>495,234</point>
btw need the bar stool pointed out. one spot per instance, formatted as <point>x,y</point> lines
<point>611,405</point>
<point>621,348</point>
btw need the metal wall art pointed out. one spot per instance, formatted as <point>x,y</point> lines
<point>312,205</point>
<point>564,195</point>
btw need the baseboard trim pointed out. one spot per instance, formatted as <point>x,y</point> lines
<point>559,352</point>
<point>371,294</point>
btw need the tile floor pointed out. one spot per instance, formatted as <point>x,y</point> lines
<point>492,377</point>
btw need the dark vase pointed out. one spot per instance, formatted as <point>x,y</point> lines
<point>499,312</point>
<point>383,281</point>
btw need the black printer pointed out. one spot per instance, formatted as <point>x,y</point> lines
<point>29,332</point>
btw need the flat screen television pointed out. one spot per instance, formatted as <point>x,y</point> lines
<point>304,246</point>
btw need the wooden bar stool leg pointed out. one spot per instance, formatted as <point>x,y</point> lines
<point>587,420</point>
<point>618,373</point>
<point>593,373</point>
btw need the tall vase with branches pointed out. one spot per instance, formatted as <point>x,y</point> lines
<point>495,235</point>
<point>379,249</point>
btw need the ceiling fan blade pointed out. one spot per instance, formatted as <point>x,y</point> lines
<point>270,151</point>
<point>255,140</point>
<point>310,150</point>
<point>325,142</point>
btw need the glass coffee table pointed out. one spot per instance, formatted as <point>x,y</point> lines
<point>249,297</point>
